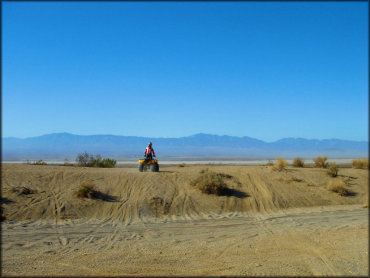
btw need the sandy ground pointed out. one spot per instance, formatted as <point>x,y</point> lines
<point>272,223</point>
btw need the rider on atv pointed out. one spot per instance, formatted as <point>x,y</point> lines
<point>149,152</point>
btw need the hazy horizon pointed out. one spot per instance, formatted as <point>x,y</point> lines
<point>190,135</point>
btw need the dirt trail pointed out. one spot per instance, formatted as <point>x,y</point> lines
<point>296,242</point>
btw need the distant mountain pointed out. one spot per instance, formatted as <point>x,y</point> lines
<point>206,146</point>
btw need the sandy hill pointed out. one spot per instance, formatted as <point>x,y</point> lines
<point>128,195</point>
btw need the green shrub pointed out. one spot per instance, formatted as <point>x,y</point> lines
<point>298,162</point>
<point>107,163</point>
<point>360,163</point>
<point>211,183</point>
<point>333,169</point>
<point>88,160</point>
<point>280,164</point>
<point>320,162</point>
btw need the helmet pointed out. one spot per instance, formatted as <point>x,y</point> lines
<point>150,144</point>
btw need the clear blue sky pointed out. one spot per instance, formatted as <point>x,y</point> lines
<point>172,69</point>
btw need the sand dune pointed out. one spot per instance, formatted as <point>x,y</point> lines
<point>272,223</point>
<point>139,196</point>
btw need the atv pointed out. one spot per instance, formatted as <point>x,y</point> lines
<point>144,164</point>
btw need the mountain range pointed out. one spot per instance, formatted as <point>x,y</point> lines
<point>200,146</point>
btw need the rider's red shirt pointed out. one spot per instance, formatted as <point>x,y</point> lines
<point>149,150</point>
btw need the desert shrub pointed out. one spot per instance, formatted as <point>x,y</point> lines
<point>280,164</point>
<point>84,159</point>
<point>320,162</point>
<point>269,163</point>
<point>182,165</point>
<point>22,190</point>
<point>360,163</point>
<point>338,186</point>
<point>159,205</point>
<point>298,162</point>
<point>88,160</point>
<point>87,190</point>
<point>39,162</point>
<point>296,179</point>
<point>104,163</point>
<point>289,180</point>
<point>333,169</point>
<point>211,183</point>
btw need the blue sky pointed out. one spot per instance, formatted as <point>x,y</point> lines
<point>171,69</point>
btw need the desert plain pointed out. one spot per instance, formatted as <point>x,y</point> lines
<point>269,222</point>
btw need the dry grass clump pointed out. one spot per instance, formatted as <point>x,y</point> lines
<point>87,190</point>
<point>320,162</point>
<point>289,180</point>
<point>360,163</point>
<point>298,162</point>
<point>333,169</point>
<point>338,186</point>
<point>159,205</point>
<point>22,190</point>
<point>269,163</point>
<point>280,164</point>
<point>211,183</point>
<point>296,179</point>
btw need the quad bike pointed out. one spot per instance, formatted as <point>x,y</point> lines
<point>144,164</point>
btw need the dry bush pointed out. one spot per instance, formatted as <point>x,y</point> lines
<point>84,159</point>
<point>360,163</point>
<point>159,205</point>
<point>182,165</point>
<point>298,162</point>
<point>211,183</point>
<point>38,162</point>
<point>22,190</point>
<point>289,180</point>
<point>333,169</point>
<point>320,162</point>
<point>296,179</point>
<point>87,190</point>
<point>280,164</point>
<point>338,186</point>
<point>270,163</point>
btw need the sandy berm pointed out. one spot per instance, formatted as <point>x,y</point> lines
<point>269,222</point>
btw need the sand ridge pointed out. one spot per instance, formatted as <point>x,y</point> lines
<point>273,223</point>
<point>137,196</point>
